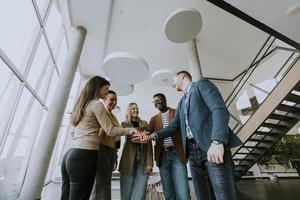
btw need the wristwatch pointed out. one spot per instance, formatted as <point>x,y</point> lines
<point>155,138</point>
<point>216,142</point>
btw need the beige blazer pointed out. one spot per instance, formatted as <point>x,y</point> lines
<point>86,133</point>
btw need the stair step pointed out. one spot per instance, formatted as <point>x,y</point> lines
<point>275,126</point>
<point>250,153</point>
<point>262,140</point>
<point>240,159</point>
<point>256,147</point>
<point>293,98</point>
<point>280,117</point>
<point>287,108</point>
<point>297,87</point>
<point>242,165</point>
<point>262,133</point>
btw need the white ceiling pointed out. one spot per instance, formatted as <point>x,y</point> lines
<point>226,44</point>
<point>280,15</point>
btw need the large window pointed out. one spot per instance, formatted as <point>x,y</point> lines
<point>41,69</point>
<point>32,50</point>
<point>8,94</point>
<point>42,6</point>
<point>19,31</point>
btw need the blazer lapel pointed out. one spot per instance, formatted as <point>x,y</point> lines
<point>171,114</point>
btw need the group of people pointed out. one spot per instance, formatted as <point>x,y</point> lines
<point>197,131</point>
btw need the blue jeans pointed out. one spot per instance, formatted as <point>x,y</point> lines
<point>173,176</point>
<point>134,187</point>
<point>212,179</point>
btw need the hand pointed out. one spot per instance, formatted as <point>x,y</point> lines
<point>140,137</point>
<point>140,129</point>
<point>147,138</point>
<point>148,169</point>
<point>115,159</point>
<point>115,166</point>
<point>215,153</point>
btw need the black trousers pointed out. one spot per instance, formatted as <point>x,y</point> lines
<point>78,174</point>
<point>102,188</point>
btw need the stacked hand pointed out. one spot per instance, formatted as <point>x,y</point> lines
<point>140,136</point>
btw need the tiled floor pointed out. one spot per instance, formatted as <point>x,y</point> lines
<point>286,189</point>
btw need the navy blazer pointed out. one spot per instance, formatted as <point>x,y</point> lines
<point>208,118</point>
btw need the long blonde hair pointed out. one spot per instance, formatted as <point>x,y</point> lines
<point>128,112</point>
<point>88,93</point>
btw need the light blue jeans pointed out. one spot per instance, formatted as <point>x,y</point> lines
<point>174,176</point>
<point>134,187</point>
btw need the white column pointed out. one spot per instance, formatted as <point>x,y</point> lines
<point>40,159</point>
<point>193,58</point>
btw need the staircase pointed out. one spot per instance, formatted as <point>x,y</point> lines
<point>275,117</point>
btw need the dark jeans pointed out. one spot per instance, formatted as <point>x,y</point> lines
<point>102,189</point>
<point>174,177</point>
<point>212,179</point>
<point>78,174</point>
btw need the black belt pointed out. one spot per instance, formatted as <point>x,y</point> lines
<point>191,141</point>
<point>170,148</point>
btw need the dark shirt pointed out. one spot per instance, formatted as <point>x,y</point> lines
<point>136,125</point>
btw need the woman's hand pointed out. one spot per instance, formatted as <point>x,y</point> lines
<point>115,160</point>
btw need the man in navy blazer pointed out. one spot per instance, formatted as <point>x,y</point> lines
<point>203,119</point>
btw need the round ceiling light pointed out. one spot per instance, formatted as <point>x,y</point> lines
<point>183,25</point>
<point>293,9</point>
<point>163,77</point>
<point>121,89</point>
<point>125,68</point>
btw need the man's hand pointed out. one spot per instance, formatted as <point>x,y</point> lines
<point>140,137</point>
<point>215,153</point>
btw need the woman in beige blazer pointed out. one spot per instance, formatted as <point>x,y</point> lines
<point>80,162</point>
<point>136,160</point>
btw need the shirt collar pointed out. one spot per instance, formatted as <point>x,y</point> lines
<point>187,90</point>
<point>165,112</point>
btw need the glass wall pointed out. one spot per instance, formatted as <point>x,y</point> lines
<point>32,48</point>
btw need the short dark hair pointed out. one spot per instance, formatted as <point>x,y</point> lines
<point>111,92</point>
<point>186,73</point>
<point>160,95</point>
